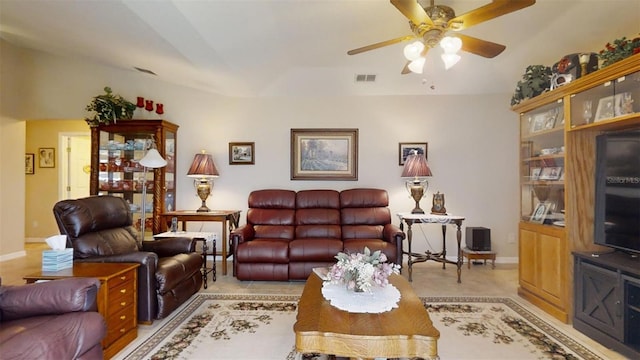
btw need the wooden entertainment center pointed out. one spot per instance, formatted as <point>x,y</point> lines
<point>557,169</point>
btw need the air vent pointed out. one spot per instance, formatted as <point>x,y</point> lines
<point>146,71</point>
<point>365,78</point>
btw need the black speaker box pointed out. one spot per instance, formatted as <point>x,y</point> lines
<point>478,239</point>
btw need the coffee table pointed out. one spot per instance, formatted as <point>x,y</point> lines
<point>405,331</point>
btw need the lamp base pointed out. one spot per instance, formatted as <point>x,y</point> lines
<point>417,211</point>
<point>203,208</point>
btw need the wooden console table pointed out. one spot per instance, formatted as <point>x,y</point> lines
<point>411,219</point>
<point>228,218</point>
<point>117,298</point>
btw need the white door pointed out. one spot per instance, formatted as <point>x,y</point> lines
<point>75,158</point>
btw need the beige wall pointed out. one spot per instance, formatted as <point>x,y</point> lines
<point>12,139</point>
<point>42,188</point>
<point>473,141</point>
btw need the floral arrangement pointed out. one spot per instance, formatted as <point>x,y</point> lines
<point>108,108</point>
<point>620,49</point>
<point>362,271</point>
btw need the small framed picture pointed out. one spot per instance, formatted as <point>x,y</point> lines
<point>405,149</point>
<point>29,163</point>
<point>47,157</point>
<point>540,212</point>
<point>241,153</point>
<point>623,104</point>
<point>550,119</point>
<point>538,122</point>
<point>551,173</point>
<point>535,173</point>
<point>605,108</point>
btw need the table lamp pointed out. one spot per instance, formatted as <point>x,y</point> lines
<point>416,167</point>
<point>151,160</point>
<point>203,170</point>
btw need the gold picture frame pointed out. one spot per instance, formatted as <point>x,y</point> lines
<point>324,154</point>
<point>47,157</point>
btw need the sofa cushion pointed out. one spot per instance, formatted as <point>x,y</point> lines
<point>318,249</point>
<point>64,336</point>
<point>363,198</point>
<point>264,251</point>
<point>365,216</point>
<point>314,199</point>
<point>362,232</point>
<point>272,199</point>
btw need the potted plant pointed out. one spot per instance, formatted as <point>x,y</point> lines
<point>535,81</point>
<point>108,108</point>
<point>620,49</point>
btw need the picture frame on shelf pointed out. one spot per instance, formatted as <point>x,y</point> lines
<point>406,148</point>
<point>241,153</point>
<point>623,104</point>
<point>535,173</point>
<point>550,119</point>
<point>47,157</point>
<point>551,173</point>
<point>538,122</point>
<point>324,154</point>
<point>540,212</point>
<point>29,163</point>
<point>605,109</point>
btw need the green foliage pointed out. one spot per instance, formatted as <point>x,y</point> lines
<point>619,50</point>
<point>108,108</point>
<point>535,81</point>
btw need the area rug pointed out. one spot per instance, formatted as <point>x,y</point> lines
<point>218,326</point>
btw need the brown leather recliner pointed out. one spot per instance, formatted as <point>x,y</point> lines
<point>100,229</point>
<point>52,320</point>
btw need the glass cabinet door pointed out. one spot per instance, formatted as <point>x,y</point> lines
<point>542,164</point>
<point>116,170</point>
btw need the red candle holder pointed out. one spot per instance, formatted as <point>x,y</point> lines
<point>148,105</point>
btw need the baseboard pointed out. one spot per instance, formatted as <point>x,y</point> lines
<point>13,255</point>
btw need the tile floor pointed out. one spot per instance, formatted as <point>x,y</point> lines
<point>429,279</point>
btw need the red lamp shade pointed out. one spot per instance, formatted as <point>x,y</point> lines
<point>203,166</point>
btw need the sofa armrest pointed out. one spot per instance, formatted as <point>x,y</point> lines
<point>242,234</point>
<point>392,233</point>
<point>49,298</point>
<point>170,246</point>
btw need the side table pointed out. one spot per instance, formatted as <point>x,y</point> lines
<point>200,237</point>
<point>117,298</point>
<point>443,220</point>
<point>228,218</point>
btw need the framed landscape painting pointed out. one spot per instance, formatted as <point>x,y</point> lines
<point>241,153</point>
<point>324,154</point>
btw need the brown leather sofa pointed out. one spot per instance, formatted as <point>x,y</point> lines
<point>100,229</point>
<point>288,233</point>
<point>52,320</point>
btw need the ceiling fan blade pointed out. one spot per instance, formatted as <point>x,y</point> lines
<point>380,44</point>
<point>480,47</point>
<point>412,11</point>
<point>487,12</point>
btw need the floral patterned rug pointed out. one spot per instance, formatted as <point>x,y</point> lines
<point>218,326</point>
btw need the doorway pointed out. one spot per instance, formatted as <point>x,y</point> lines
<point>75,165</point>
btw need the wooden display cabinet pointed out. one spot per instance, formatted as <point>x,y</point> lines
<point>116,150</point>
<point>605,100</point>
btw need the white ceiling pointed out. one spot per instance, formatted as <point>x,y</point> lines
<point>299,47</point>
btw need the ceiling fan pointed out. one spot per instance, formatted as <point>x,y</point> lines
<point>431,24</point>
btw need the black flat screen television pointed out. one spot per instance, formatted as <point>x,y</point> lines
<point>617,196</point>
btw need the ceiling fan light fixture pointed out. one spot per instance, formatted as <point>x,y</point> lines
<point>451,44</point>
<point>412,51</point>
<point>450,60</point>
<point>417,65</point>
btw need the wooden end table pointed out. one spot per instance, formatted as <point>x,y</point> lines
<point>405,331</point>
<point>117,298</point>
<point>228,218</point>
